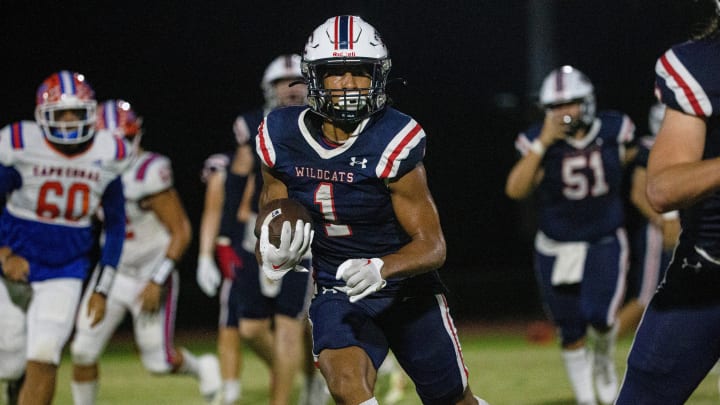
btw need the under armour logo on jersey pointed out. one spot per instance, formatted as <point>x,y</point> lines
<point>328,290</point>
<point>695,267</point>
<point>354,161</point>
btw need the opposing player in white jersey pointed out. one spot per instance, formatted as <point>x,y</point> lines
<point>157,234</point>
<point>56,172</point>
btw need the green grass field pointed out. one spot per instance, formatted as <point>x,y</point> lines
<point>505,369</point>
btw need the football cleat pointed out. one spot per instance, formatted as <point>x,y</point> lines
<point>604,373</point>
<point>210,379</point>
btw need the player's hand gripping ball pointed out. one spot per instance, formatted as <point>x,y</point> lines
<point>284,231</point>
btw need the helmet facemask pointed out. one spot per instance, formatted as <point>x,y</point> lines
<point>57,125</point>
<point>567,85</point>
<point>351,104</point>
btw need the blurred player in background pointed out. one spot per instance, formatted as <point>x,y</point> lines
<point>652,235</point>
<point>146,284</point>
<point>56,172</point>
<point>678,340</point>
<point>270,316</point>
<point>573,161</point>
<point>356,165</point>
<point>221,206</point>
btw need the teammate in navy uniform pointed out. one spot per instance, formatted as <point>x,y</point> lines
<point>356,165</point>
<point>652,235</point>
<point>573,162</point>
<point>270,316</point>
<point>678,340</point>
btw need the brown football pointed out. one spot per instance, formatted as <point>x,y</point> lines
<point>278,211</point>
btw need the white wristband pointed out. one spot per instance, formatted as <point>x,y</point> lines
<point>162,272</point>
<point>537,147</point>
<point>104,280</point>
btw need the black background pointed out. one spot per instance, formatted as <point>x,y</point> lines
<point>189,67</point>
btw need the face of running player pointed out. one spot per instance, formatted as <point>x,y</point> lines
<point>290,95</point>
<point>349,85</point>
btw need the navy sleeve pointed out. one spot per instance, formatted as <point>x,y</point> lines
<point>113,203</point>
<point>9,180</point>
<point>234,190</point>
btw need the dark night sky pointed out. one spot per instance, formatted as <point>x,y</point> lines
<point>189,67</point>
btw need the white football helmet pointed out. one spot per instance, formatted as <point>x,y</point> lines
<point>567,85</point>
<point>655,117</point>
<point>66,92</point>
<point>346,41</point>
<point>282,67</point>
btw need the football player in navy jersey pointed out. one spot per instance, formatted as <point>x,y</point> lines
<point>652,235</point>
<point>56,172</point>
<point>678,340</point>
<point>573,163</point>
<point>356,165</point>
<point>270,316</point>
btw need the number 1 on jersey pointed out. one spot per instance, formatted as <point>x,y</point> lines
<point>324,199</point>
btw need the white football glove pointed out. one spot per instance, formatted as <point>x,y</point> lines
<point>362,277</point>
<point>208,275</point>
<point>276,261</point>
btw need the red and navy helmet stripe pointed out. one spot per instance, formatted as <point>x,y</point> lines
<point>343,32</point>
<point>16,137</point>
<point>121,149</point>
<point>559,82</point>
<point>67,82</point>
<point>110,116</point>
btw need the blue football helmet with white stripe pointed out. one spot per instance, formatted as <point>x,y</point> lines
<point>346,42</point>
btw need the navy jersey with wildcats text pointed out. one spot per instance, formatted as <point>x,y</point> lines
<point>345,187</point>
<point>580,195</point>
<point>688,79</point>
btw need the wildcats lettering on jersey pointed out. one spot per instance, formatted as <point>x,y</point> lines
<point>323,174</point>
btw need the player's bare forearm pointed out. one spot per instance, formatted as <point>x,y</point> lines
<point>272,189</point>
<point>212,213</point>
<point>169,210</point>
<point>677,175</point>
<point>416,211</point>
<point>524,176</point>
